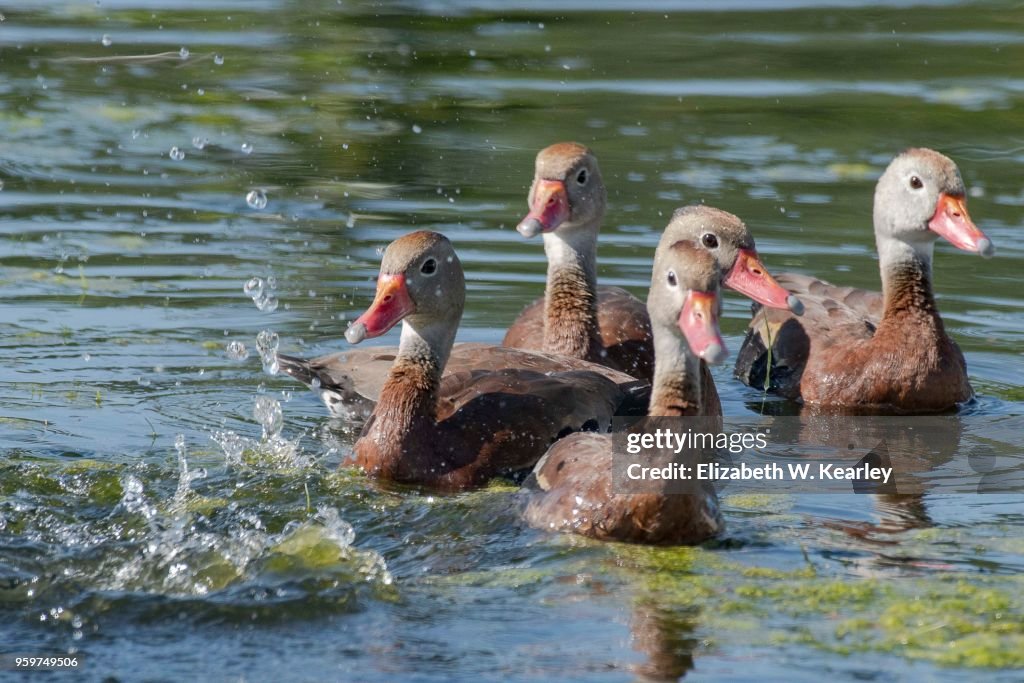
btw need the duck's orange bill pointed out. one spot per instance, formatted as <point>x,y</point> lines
<point>952,221</point>
<point>390,305</point>
<point>749,276</point>
<point>698,322</point>
<point>549,208</point>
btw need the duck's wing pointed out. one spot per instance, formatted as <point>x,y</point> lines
<point>832,315</point>
<point>349,382</point>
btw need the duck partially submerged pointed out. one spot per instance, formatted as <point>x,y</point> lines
<point>888,350</point>
<point>476,424</point>
<point>608,325</point>
<point>572,489</point>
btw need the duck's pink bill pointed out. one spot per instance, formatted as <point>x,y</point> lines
<point>698,322</point>
<point>390,305</point>
<point>952,222</point>
<point>549,208</point>
<point>749,276</point>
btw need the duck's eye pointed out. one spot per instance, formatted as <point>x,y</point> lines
<point>672,281</point>
<point>429,267</point>
<point>709,240</point>
<point>581,177</point>
<point>915,182</point>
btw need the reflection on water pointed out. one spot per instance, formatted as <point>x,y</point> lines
<point>164,163</point>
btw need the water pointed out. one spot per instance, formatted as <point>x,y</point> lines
<point>121,276</point>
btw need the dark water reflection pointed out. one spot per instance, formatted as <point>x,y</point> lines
<point>121,273</point>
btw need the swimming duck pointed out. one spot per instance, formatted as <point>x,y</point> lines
<point>608,325</point>
<point>880,351</point>
<point>573,489</point>
<point>475,425</point>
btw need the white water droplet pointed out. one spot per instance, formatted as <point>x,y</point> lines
<point>253,287</point>
<point>176,154</point>
<point>268,413</point>
<point>268,304</point>
<point>236,350</point>
<point>267,342</point>
<point>199,142</point>
<point>106,40</point>
<point>246,148</point>
<point>218,59</point>
<point>183,52</point>
<point>256,199</point>
<point>416,129</point>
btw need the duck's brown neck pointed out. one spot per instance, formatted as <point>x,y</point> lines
<point>406,413</point>
<point>676,389</point>
<point>570,308</point>
<point>907,290</point>
<point>409,396</point>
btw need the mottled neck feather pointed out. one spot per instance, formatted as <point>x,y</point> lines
<point>676,390</point>
<point>570,309</point>
<point>907,282</point>
<point>408,400</point>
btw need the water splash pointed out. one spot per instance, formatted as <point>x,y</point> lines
<point>236,350</point>
<point>106,40</point>
<point>232,444</point>
<point>253,287</point>
<point>200,142</point>
<point>176,154</point>
<point>183,53</point>
<point>260,292</point>
<point>256,199</point>
<point>267,342</point>
<point>268,413</point>
<point>218,59</point>
<point>246,148</point>
<point>185,476</point>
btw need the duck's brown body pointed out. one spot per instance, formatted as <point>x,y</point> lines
<point>579,495</point>
<point>849,349</point>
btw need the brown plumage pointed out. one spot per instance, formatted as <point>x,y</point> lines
<point>573,489</point>
<point>606,325</point>
<point>884,351</point>
<point>475,424</point>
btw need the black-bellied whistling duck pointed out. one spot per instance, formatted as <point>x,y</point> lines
<point>479,424</point>
<point>572,488</point>
<point>879,351</point>
<point>608,325</point>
